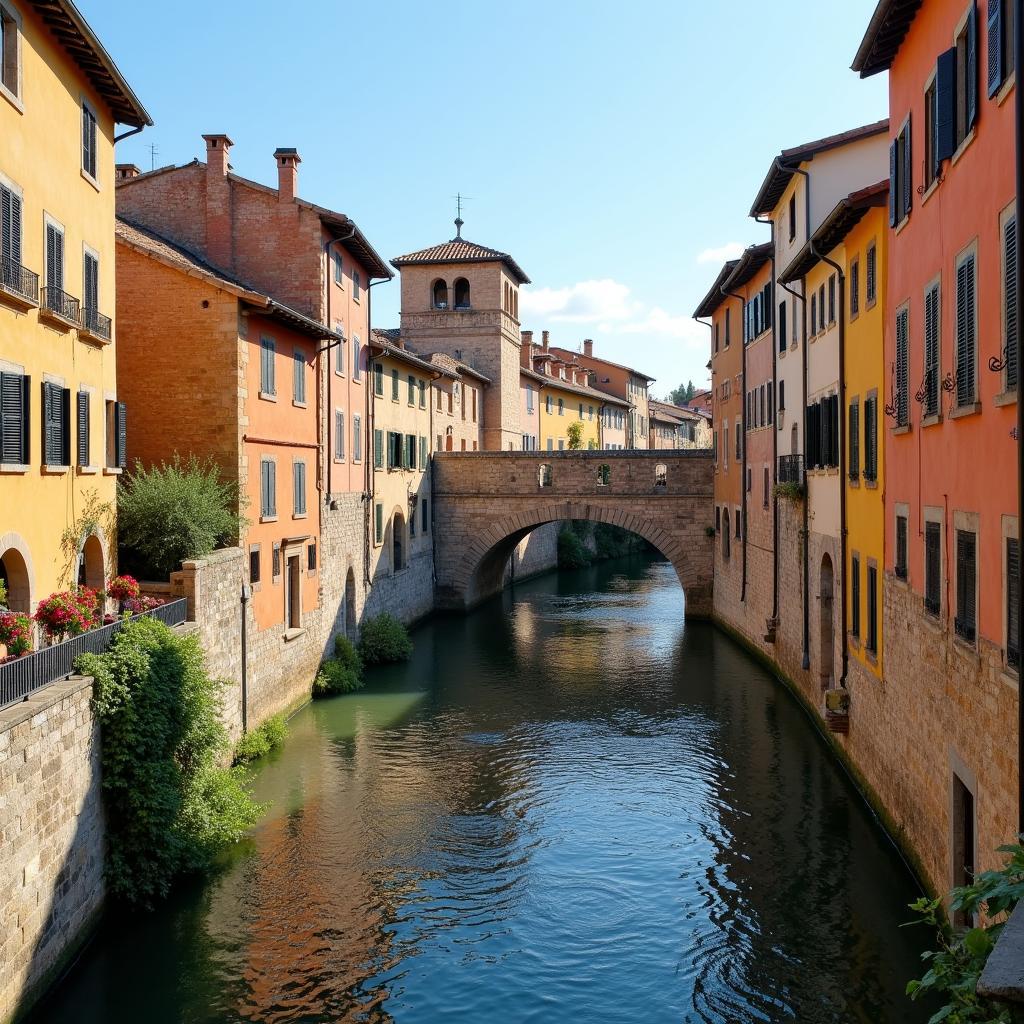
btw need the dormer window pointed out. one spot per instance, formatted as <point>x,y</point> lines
<point>440,295</point>
<point>461,293</point>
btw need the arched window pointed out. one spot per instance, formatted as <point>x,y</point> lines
<point>515,303</point>
<point>544,475</point>
<point>461,293</point>
<point>604,474</point>
<point>398,542</point>
<point>439,295</point>
<point>661,475</point>
<point>14,573</point>
<point>91,564</point>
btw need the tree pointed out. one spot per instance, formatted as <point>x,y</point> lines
<point>575,432</point>
<point>682,394</point>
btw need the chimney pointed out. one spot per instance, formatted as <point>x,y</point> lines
<point>544,340</point>
<point>218,201</point>
<point>588,347</point>
<point>288,161</point>
<point>122,172</point>
<point>526,349</point>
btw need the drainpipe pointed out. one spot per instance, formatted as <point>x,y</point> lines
<point>743,456</point>
<point>433,506</point>
<point>246,595</point>
<point>775,432</point>
<point>842,449</point>
<point>369,480</point>
<point>129,134</point>
<point>1018,49</point>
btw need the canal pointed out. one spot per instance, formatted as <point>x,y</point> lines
<point>566,807</point>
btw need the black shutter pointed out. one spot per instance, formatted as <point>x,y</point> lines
<point>65,426</point>
<point>50,438</point>
<point>932,567</point>
<point>1010,292</point>
<point>14,419</point>
<point>893,184</point>
<point>908,170</point>
<point>945,107</point>
<point>965,332</point>
<point>995,45</point>
<point>83,428</point>
<point>972,67</point>
<point>122,435</point>
<point>931,351</point>
<point>855,596</point>
<point>1012,600</point>
<point>902,372</point>
<point>853,433</point>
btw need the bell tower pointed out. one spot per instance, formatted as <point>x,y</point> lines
<point>462,298</point>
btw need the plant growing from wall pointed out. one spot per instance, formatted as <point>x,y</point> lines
<point>171,804</point>
<point>341,674</point>
<point>574,433</point>
<point>259,742</point>
<point>175,511</point>
<point>955,967</point>
<point>384,640</point>
<point>97,517</point>
<point>790,491</point>
<point>572,552</point>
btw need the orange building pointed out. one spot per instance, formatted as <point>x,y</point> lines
<point>947,743</point>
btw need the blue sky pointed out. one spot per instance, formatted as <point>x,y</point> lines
<point>613,149</point>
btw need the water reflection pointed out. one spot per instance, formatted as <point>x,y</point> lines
<point>566,808</point>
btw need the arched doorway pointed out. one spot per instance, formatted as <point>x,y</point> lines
<point>350,605</point>
<point>14,572</point>
<point>826,622</point>
<point>398,542</point>
<point>91,564</point>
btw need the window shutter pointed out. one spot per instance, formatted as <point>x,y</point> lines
<point>271,488</point>
<point>892,182</point>
<point>902,376</point>
<point>378,449</point>
<point>855,596</point>
<point>995,45</point>
<point>122,435</point>
<point>49,426</point>
<point>972,66</point>
<point>932,567</point>
<point>931,351</point>
<point>965,332</point>
<point>91,283</point>
<point>64,397</point>
<point>14,419</point>
<point>83,428</point>
<point>908,169</point>
<point>51,257</point>
<point>945,107</point>
<point>264,488</point>
<point>378,513</point>
<point>1012,600</point>
<point>853,432</point>
<point>1010,310</point>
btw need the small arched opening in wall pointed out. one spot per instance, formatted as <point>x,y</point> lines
<point>439,294</point>
<point>350,605</point>
<point>398,543</point>
<point>16,573</point>
<point>661,476</point>
<point>461,293</point>
<point>92,563</point>
<point>826,600</point>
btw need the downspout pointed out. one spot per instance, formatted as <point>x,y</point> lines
<point>369,480</point>
<point>246,595</point>
<point>842,450</point>
<point>433,507</point>
<point>743,456</point>
<point>129,134</point>
<point>1018,49</point>
<point>775,432</point>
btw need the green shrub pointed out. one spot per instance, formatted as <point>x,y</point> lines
<point>336,677</point>
<point>384,640</point>
<point>615,542</point>
<point>262,740</point>
<point>346,653</point>
<point>572,553</point>
<point>171,804</point>
<point>957,964</point>
<point>173,512</point>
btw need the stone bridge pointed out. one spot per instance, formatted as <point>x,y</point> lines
<point>485,503</point>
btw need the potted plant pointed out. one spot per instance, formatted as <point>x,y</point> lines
<point>15,634</point>
<point>123,589</point>
<point>68,613</point>
<point>837,710</point>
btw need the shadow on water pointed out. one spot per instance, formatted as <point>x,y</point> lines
<point>566,807</point>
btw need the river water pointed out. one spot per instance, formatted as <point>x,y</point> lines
<point>565,808</point>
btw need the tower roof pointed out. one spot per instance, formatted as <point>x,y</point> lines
<point>460,250</point>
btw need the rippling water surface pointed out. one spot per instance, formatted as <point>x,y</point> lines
<point>565,808</point>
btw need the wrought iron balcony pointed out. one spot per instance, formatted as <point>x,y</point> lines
<point>791,469</point>
<point>58,302</point>
<point>96,324</point>
<point>20,281</point>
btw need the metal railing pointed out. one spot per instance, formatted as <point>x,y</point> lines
<point>20,677</point>
<point>19,280</point>
<point>791,469</point>
<point>96,323</point>
<point>56,300</point>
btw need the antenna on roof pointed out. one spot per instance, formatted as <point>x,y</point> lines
<point>459,199</point>
<point>153,150</point>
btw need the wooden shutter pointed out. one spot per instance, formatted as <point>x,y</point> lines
<point>264,488</point>
<point>299,376</point>
<point>10,237</point>
<point>1012,600</point>
<point>64,399</point>
<point>122,434</point>
<point>272,489</point>
<point>972,66</point>
<point>945,108</point>
<point>932,567</point>
<point>854,288</point>
<point>965,332</point>
<point>357,438</point>
<point>299,488</point>
<point>893,183</point>
<point>51,438</point>
<point>965,568</point>
<point>902,374</point>
<point>423,453</point>
<point>814,314</point>
<point>14,419</point>
<point>931,351</point>
<point>871,286</point>
<point>995,45</point>
<point>855,595</point>
<point>853,433</point>
<point>1010,301</point>
<point>378,449</point>
<point>91,283</point>
<point>54,258</point>
<point>908,169</point>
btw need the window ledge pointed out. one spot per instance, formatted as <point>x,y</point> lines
<point>88,470</point>
<point>853,481</point>
<point>930,190</point>
<point>299,405</point>
<point>13,467</point>
<point>293,633</point>
<point>16,300</point>
<point>1006,88</point>
<point>871,303</point>
<point>902,224</point>
<point>339,373</point>
<point>268,519</point>
<point>962,148</point>
<point>112,470</point>
<point>933,420</point>
<point>965,410</point>
<point>905,429</point>
<point>339,461</point>
<point>1005,398</point>
<point>54,470</point>
<point>268,396</point>
<point>871,485</point>
<point>89,178</point>
<point>60,322</point>
<point>84,334</point>
<point>300,515</point>
<point>1010,677</point>
<point>13,98</point>
<point>871,657</point>
<point>966,649</point>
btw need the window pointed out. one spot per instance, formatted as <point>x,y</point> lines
<point>931,165</point>
<point>750,479</point>
<point>771,409</point>
<point>311,557</point>
<point>83,428</point>
<point>91,289</point>
<point>357,367</point>
<point>275,561</point>
<point>339,434</point>
<point>932,567</point>
<point>792,217</point>
<point>963,842</point>
<point>338,277</point>
<point>544,473</point>
<point>548,402</point>
<point>661,475</point>
<point>718,520</point>
<point>10,237</point>
<point>782,326</point>
<point>853,433</point>
<point>412,389</point>
<point>378,380</point>
<point>529,399</point>
<point>117,435</point>
<point>604,475</point>
<point>1010,300</point>
<point>766,487</point>
<point>854,288</point>
<point>966,342</point>
<point>821,306</point>
<point>14,419</point>
<point>966,47</point>
<point>872,637</point>
<point>965,585</point>
<point>357,438</point>
<point>737,524</point>
<point>422,385</point>
<point>725,533</point>
<point>871,438</point>
<point>56,425</point>
<point>932,319</point>
<point>89,141</point>
<point>299,378</point>
<point>339,351</point>
<point>551,444</point>
<point>10,51</point>
<point>378,449</point>
<point>739,443</point>
<point>901,547</point>
<point>254,564</point>
<point>900,182</point>
<point>268,489</point>
<point>832,299</point>
<point>855,595</point>
<point>461,293</point>
<point>728,325</point>
<point>1000,43</point>
<point>561,407</point>
<point>814,314</point>
<point>394,385</point>
<point>902,378</point>
<point>423,453</point>
<point>1012,601</point>
<point>439,295</point>
<point>410,451</point>
<point>357,282</point>
<point>716,336</point>
<point>822,441</point>
<point>424,515</point>
<point>378,523</point>
<point>782,396</point>
<point>54,266</point>
<point>267,384</point>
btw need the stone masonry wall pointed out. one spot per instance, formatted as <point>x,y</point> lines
<point>536,553</point>
<point>52,835</point>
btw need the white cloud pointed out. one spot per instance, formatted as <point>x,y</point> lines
<point>729,251</point>
<point>586,302</point>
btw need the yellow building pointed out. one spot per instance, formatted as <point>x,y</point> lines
<point>63,429</point>
<point>567,398</point>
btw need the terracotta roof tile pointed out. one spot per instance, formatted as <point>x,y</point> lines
<point>460,250</point>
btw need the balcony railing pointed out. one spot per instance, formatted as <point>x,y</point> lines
<point>20,677</point>
<point>57,301</point>
<point>791,469</point>
<point>19,280</point>
<point>96,323</point>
